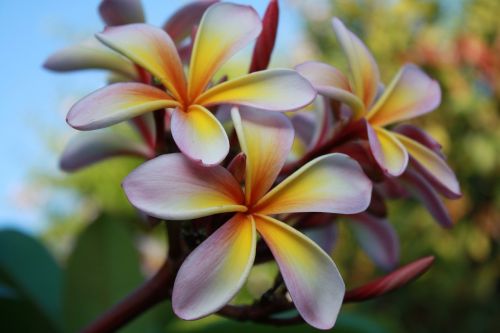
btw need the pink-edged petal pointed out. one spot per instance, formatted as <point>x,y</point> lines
<point>265,43</point>
<point>90,54</point>
<point>85,149</point>
<point>273,89</point>
<point>419,135</point>
<point>173,187</point>
<point>433,166</point>
<point>150,48</point>
<point>325,236</point>
<point>120,12</point>
<point>304,124</point>
<point>364,70</point>
<point>310,275</point>
<point>224,30</point>
<point>390,282</point>
<point>411,94</point>
<point>216,270</point>
<point>332,83</point>
<point>333,183</point>
<point>199,135</point>
<point>424,191</point>
<point>266,139</point>
<point>389,153</point>
<point>116,103</point>
<point>377,238</point>
<point>181,23</point>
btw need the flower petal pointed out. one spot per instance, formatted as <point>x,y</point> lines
<point>411,94</point>
<point>273,89</point>
<point>152,49</point>
<point>333,183</point>
<point>173,187</point>
<point>116,103</point>
<point>86,149</point>
<point>433,166</point>
<point>424,191</point>
<point>216,270</point>
<point>332,83</point>
<point>419,135</point>
<point>389,153</point>
<point>90,54</point>
<point>325,236</point>
<point>377,238</point>
<point>224,30</point>
<point>310,275</point>
<point>199,135</point>
<point>120,12</point>
<point>266,139</point>
<point>364,70</point>
<point>181,23</point>
<point>265,43</point>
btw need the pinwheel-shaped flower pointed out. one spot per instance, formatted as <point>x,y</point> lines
<point>224,29</point>
<point>174,188</point>
<point>410,94</point>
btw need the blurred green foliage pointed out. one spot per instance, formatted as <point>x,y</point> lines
<point>102,257</point>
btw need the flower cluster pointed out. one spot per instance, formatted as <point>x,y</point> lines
<point>222,152</point>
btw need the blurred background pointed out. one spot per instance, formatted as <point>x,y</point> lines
<point>67,237</point>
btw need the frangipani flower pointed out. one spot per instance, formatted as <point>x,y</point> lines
<point>174,188</point>
<point>410,94</point>
<point>224,29</point>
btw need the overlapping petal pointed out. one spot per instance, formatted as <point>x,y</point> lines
<point>310,275</point>
<point>410,94</point>
<point>273,90</point>
<point>152,49</point>
<point>433,165</point>
<point>182,22</point>
<point>224,30</point>
<point>199,135</point>
<point>266,139</point>
<point>332,83</point>
<point>389,153</point>
<point>333,183</point>
<point>364,70</point>
<point>377,238</point>
<point>116,103</point>
<point>119,12</point>
<point>90,54</point>
<point>173,187</point>
<point>88,148</point>
<point>215,271</point>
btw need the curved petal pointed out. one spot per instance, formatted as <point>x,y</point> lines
<point>216,270</point>
<point>364,70</point>
<point>150,48</point>
<point>310,275</point>
<point>266,139</point>
<point>181,23</point>
<point>411,94</point>
<point>173,187</point>
<point>224,30</point>
<point>199,135</point>
<point>273,89</point>
<point>90,54</point>
<point>332,83</point>
<point>333,183</point>
<point>389,153</point>
<point>116,103</point>
<point>377,238</point>
<point>433,165</point>
<point>120,12</point>
<point>419,135</point>
<point>86,149</point>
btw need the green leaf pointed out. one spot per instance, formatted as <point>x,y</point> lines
<point>103,268</point>
<point>31,285</point>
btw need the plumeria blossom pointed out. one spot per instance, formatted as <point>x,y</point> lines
<point>172,187</point>
<point>410,94</point>
<point>224,29</point>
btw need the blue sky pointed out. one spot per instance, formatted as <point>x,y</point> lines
<point>33,101</point>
